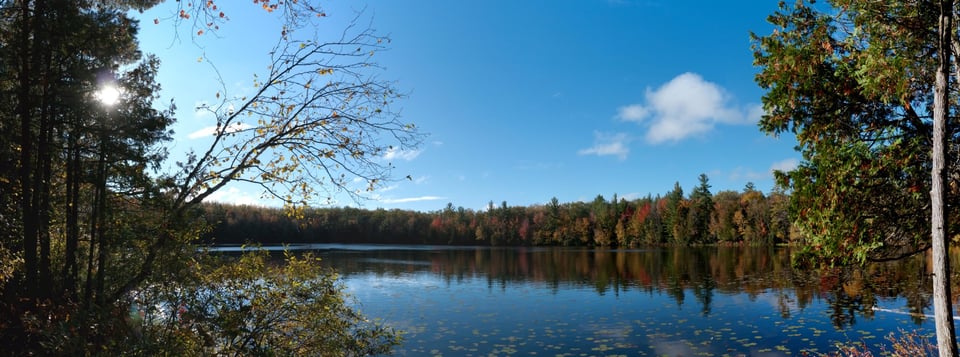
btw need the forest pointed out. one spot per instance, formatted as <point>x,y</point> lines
<point>98,228</point>
<point>727,217</point>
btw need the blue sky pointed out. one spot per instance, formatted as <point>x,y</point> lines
<point>527,100</point>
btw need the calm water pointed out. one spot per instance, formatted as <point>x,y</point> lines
<point>677,302</point>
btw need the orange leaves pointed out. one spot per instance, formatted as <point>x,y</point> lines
<point>184,14</point>
<point>267,6</point>
<point>827,46</point>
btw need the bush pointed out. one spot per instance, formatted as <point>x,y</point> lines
<point>254,305</point>
<point>906,344</point>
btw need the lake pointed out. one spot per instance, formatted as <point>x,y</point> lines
<point>464,301</point>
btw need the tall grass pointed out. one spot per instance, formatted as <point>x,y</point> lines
<point>904,343</point>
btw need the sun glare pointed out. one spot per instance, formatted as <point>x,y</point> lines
<point>108,95</point>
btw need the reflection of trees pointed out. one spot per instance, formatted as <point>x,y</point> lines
<point>783,303</point>
<point>701,272</point>
<point>844,308</point>
<point>704,293</point>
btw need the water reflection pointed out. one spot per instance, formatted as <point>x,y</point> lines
<point>690,275</point>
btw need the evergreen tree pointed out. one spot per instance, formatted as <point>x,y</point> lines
<point>675,216</point>
<point>854,83</point>
<point>701,210</point>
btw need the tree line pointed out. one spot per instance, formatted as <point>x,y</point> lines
<point>728,217</point>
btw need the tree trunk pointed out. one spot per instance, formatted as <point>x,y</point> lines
<point>946,336</point>
<point>29,243</point>
<point>41,195</point>
<point>71,266</point>
<point>101,227</point>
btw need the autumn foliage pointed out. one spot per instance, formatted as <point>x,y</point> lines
<point>748,217</point>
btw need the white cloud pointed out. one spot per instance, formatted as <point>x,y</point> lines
<point>411,199</point>
<point>746,174</point>
<point>754,113</point>
<point>685,106</point>
<point>633,112</point>
<point>233,195</point>
<point>605,145</point>
<point>212,130</point>
<point>784,165</point>
<point>395,153</point>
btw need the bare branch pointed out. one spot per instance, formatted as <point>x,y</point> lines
<point>319,120</point>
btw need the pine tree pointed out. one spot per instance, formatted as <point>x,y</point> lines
<point>701,210</point>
